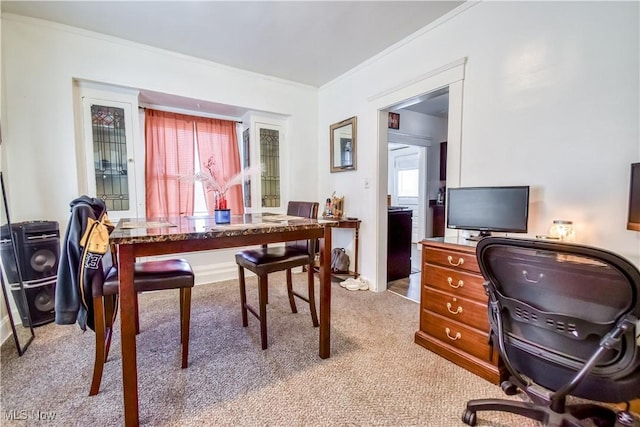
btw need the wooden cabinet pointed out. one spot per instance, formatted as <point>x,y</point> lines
<point>453,310</point>
<point>399,226</point>
<point>438,219</point>
<point>443,161</point>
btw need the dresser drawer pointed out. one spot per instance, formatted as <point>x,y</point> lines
<point>456,282</point>
<point>456,334</point>
<point>462,310</point>
<point>453,259</point>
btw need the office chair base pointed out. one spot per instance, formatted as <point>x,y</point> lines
<point>602,417</point>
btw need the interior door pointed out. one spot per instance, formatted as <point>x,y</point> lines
<point>109,158</point>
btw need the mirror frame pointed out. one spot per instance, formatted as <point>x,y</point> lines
<point>354,133</point>
<point>21,347</point>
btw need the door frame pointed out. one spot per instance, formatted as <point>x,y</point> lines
<point>451,75</point>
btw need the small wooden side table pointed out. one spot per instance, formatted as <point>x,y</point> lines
<point>354,223</point>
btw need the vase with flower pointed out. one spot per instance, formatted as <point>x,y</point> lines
<point>215,183</point>
<point>222,214</point>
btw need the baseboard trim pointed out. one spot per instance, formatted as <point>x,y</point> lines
<point>5,329</point>
<point>215,273</point>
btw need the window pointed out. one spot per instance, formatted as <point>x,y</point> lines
<point>177,144</point>
<point>199,199</point>
<point>408,181</point>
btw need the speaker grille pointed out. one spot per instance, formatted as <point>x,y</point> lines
<point>38,251</point>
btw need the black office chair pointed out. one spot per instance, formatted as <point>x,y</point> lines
<point>565,317</point>
<point>267,260</point>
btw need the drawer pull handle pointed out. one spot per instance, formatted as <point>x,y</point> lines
<point>540,277</point>
<point>459,285</point>
<point>458,310</point>
<point>450,259</point>
<point>457,337</point>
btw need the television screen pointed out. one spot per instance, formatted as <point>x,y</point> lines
<point>487,209</point>
<point>633,221</point>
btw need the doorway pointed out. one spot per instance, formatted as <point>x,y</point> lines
<point>449,77</point>
<point>415,176</point>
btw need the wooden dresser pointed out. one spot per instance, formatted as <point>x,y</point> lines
<point>453,310</point>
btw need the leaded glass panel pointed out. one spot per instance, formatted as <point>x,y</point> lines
<point>270,158</point>
<point>246,162</point>
<point>110,156</point>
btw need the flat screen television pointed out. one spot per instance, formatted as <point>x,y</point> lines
<point>633,220</point>
<point>488,209</point>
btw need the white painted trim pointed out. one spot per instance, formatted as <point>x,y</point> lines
<point>205,274</point>
<point>457,68</point>
<point>5,323</point>
<point>188,112</point>
<point>409,139</point>
<point>5,329</point>
<point>451,75</point>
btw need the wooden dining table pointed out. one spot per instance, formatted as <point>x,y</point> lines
<point>141,237</point>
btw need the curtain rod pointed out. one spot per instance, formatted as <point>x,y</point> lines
<point>144,108</point>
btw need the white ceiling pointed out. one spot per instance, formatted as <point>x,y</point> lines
<point>310,42</point>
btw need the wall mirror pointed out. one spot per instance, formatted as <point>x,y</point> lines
<point>11,278</point>
<point>343,145</point>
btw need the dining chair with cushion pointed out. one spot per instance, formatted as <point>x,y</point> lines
<point>148,276</point>
<point>87,282</point>
<point>265,260</point>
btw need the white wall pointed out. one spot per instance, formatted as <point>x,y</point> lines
<point>40,59</point>
<point>550,100</point>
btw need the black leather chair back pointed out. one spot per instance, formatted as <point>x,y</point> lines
<point>305,210</point>
<point>557,301</point>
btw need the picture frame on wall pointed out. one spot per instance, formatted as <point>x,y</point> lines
<point>394,121</point>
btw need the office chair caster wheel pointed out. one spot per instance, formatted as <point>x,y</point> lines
<point>469,418</point>
<point>625,419</point>
<point>508,388</point>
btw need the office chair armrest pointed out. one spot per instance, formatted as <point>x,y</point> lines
<point>607,342</point>
<point>625,324</point>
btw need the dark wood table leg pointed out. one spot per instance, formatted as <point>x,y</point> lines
<point>325,294</point>
<point>126,260</point>
<point>357,233</point>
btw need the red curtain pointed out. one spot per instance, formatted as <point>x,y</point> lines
<point>169,156</point>
<point>217,141</point>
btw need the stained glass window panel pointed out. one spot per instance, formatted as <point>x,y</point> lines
<point>110,156</point>
<point>270,158</point>
<point>246,162</point>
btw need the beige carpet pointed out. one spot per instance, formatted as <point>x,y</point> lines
<point>376,375</point>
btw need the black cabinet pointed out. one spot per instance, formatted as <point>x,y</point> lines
<point>443,161</point>
<point>398,244</point>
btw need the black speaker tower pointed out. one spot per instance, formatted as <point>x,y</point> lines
<point>38,247</point>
